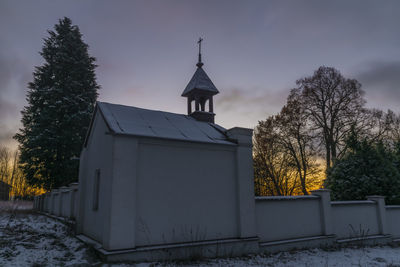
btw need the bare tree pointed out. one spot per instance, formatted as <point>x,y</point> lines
<point>284,156</point>
<point>5,157</point>
<point>295,137</point>
<point>394,126</point>
<point>272,165</point>
<point>333,104</point>
<point>11,174</point>
<point>318,118</point>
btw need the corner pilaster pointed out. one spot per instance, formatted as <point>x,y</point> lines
<point>244,180</point>
<point>381,210</point>
<point>326,210</point>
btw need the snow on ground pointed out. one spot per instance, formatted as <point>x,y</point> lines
<point>369,256</point>
<point>29,239</point>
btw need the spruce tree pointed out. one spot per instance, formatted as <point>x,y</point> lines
<point>61,100</point>
<point>366,169</point>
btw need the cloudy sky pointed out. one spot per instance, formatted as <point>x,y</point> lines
<point>254,51</point>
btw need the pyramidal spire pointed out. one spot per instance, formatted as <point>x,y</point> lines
<point>199,64</point>
<point>201,90</point>
<point>200,81</point>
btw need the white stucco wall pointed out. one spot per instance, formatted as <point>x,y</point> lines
<point>360,215</point>
<point>66,203</point>
<point>393,220</point>
<point>97,155</point>
<point>119,229</point>
<point>185,192</point>
<point>279,218</point>
<point>75,203</point>
<point>46,203</point>
<point>56,209</point>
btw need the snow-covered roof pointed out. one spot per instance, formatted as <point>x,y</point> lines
<point>200,81</point>
<point>127,120</point>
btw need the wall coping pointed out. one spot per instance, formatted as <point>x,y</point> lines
<point>64,189</point>
<point>354,202</point>
<point>279,198</point>
<point>392,207</point>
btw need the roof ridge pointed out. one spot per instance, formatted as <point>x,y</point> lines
<point>146,109</point>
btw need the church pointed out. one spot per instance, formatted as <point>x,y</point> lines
<point>156,185</point>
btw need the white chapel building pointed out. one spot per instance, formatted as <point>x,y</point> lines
<point>154,184</point>
<point>157,186</point>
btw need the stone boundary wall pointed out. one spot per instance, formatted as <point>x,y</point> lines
<point>60,202</point>
<point>284,223</point>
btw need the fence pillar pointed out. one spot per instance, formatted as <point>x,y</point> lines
<point>74,199</point>
<point>244,180</point>
<point>326,211</point>
<point>52,204</point>
<point>381,210</point>
<point>48,202</point>
<point>62,189</point>
<point>41,203</point>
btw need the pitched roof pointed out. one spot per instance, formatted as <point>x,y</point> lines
<point>135,121</point>
<point>201,81</point>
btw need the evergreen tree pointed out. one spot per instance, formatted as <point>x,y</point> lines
<point>61,100</point>
<point>367,169</point>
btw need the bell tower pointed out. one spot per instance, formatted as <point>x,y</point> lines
<point>201,90</point>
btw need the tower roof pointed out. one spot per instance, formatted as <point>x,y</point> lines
<point>200,81</point>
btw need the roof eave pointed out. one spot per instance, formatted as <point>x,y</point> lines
<point>194,90</point>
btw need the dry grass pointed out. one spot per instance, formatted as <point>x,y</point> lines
<point>13,205</point>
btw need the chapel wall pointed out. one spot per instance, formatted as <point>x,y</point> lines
<point>185,192</point>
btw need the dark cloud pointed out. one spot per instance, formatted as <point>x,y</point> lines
<point>381,82</point>
<point>383,77</point>
<point>6,70</point>
<point>252,100</point>
<point>14,75</point>
<point>6,134</point>
<point>7,108</point>
<point>6,76</point>
<point>7,131</point>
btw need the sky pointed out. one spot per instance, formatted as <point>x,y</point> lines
<point>253,51</point>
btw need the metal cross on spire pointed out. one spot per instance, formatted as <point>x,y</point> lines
<point>199,64</point>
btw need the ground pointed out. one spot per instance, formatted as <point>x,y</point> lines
<point>30,239</point>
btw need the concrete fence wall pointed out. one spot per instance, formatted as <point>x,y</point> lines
<point>60,202</point>
<point>286,220</point>
<point>279,218</point>
<point>301,219</point>
<point>393,221</point>
<point>355,218</point>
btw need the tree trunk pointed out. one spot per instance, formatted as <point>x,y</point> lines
<point>328,156</point>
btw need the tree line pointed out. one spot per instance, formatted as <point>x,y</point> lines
<point>295,149</point>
